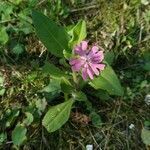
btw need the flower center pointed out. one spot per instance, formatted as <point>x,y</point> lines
<point>86,58</point>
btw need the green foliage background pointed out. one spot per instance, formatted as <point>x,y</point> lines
<point>122,28</point>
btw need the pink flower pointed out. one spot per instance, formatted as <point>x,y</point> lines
<point>88,61</point>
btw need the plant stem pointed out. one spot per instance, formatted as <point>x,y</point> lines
<point>75,77</point>
<point>66,96</point>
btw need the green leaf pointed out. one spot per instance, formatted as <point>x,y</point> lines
<point>4,38</point>
<point>2,92</point>
<point>7,10</point>
<point>101,94</point>
<point>29,119</point>
<point>57,116</point>
<point>53,70</point>
<point>146,66</point>
<point>66,86</point>
<point>145,2</point>
<point>24,15</point>
<point>11,116</point>
<point>41,104</point>
<point>78,33</point>
<point>108,81</point>
<point>18,49</point>
<point>3,137</point>
<point>79,96</point>
<point>32,3</point>
<point>16,2</point>
<point>1,80</point>
<point>145,135</point>
<point>31,77</point>
<point>96,119</point>
<point>25,27</point>
<point>54,37</point>
<point>147,123</point>
<point>109,57</point>
<point>67,55</point>
<point>52,90</point>
<point>53,87</point>
<point>19,135</point>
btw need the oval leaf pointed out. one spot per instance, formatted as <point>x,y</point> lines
<point>54,37</point>
<point>29,119</point>
<point>57,116</point>
<point>108,81</point>
<point>19,135</point>
<point>145,135</point>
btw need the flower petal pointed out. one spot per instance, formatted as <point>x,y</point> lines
<point>101,55</point>
<point>73,61</point>
<point>87,60</point>
<point>98,57</point>
<point>84,73</point>
<point>90,73</point>
<point>94,52</point>
<point>94,69</point>
<point>100,66</point>
<point>78,50</point>
<point>95,60</point>
<point>75,68</point>
<point>78,64</point>
<point>84,45</point>
<point>95,48</point>
<point>81,48</point>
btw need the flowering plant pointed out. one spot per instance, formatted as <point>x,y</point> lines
<point>87,60</point>
<point>82,66</point>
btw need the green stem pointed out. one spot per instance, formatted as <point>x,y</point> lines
<point>75,77</point>
<point>66,96</point>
